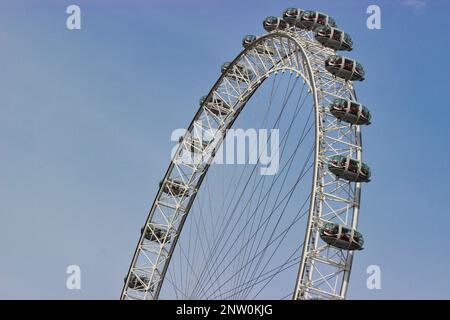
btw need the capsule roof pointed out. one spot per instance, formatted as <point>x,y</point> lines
<point>271,19</point>
<point>291,12</point>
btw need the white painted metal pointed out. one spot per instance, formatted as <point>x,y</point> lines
<point>324,271</point>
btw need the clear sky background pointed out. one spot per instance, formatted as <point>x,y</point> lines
<point>86,118</point>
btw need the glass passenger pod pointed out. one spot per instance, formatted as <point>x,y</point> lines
<point>248,40</point>
<point>292,16</point>
<point>344,68</point>
<point>341,237</point>
<point>274,23</point>
<point>334,38</point>
<point>350,111</point>
<point>138,283</point>
<point>349,169</point>
<point>238,73</point>
<point>157,235</point>
<point>261,48</point>
<point>174,187</point>
<point>311,20</point>
<point>216,106</point>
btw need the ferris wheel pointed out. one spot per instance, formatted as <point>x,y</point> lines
<point>217,231</point>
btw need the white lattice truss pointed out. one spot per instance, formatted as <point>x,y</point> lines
<point>324,270</point>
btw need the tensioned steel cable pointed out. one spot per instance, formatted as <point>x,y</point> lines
<point>267,112</point>
<point>245,186</point>
<point>194,218</point>
<point>218,242</point>
<point>291,162</point>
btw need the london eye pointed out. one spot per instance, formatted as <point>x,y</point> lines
<point>220,231</point>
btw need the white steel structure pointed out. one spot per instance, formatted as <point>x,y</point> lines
<point>324,270</point>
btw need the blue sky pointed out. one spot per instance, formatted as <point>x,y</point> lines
<point>86,118</point>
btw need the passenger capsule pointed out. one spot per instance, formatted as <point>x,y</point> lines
<point>334,38</point>
<point>292,16</point>
<point>274,23</point>
<point>344,68</point>
<point>174,187</point>
<point>156,234</point>
<point>349,169</point>
<point>350,111</point>
<point>341,237</point>
<point>310,20</point>
<point>216,106</point>
<point>248,40</point>
<point>262,48</point>
<point>238,72</point>
<point>138,283</point>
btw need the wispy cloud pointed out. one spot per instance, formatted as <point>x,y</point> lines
<point>417,5</point>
